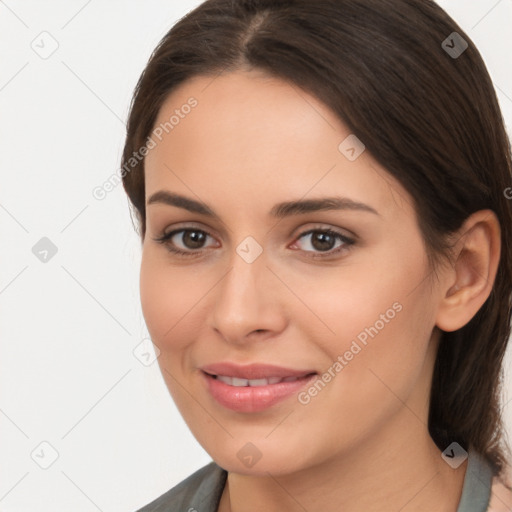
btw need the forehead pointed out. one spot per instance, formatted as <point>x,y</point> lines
<point>249,111</point>
<point>259,136</point>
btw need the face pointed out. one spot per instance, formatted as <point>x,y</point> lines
<point>339,289</point>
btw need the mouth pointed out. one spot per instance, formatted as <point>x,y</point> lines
<point>253,372</point>
<point>241,382</point>
<point>253,388</point>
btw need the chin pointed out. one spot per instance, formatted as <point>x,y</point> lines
<point>249,459</point>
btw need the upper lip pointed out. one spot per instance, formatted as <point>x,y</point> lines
<point>253,371</point>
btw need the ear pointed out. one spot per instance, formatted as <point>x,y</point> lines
<point>469,280</point>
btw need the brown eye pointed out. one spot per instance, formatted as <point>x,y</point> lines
<point>322,241</point>
<point>193,239</point>
<point>325,241</point>
<point>188,242</point>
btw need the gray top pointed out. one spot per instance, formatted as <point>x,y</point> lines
<point>202,490</point>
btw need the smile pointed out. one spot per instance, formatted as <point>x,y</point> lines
<point>253,395</point>
<point>238,382</point>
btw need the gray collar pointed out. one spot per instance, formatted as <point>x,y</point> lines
<point>476,491</point>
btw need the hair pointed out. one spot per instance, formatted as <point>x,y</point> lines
<point>430,119</point>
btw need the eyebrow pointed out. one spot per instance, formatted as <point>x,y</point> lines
<point>280,210</point>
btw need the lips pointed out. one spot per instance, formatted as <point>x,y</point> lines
<point>254,374</point>
<point>253,388</point>
<point>246,398</point>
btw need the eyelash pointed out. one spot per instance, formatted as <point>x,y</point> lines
<point>347,242</point>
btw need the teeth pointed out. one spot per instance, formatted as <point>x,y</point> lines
<point>258,382</point>
<point>290,379</point>
<point>239,382</point>
<point>235,381</point>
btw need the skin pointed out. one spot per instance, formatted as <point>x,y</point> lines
<point>251,142</point>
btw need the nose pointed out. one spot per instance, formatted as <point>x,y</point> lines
<point>248,302</point>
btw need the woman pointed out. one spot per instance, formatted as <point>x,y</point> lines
<point>326,255</point>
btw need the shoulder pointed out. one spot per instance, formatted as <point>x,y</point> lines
<point>199,491</point>
<point>501,492</point>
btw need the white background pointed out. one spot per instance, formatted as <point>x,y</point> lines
<point>68,375</point>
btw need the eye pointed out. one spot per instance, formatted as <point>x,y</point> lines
<point>191,240</point>
<point>324,241</point>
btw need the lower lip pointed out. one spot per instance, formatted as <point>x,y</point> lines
<point>253,398</point>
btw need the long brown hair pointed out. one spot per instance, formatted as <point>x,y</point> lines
<point>427,115</point>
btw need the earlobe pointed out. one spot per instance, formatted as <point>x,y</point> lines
<point>469,282</point>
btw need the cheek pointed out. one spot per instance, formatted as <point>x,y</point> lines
<point>152,297</point>
<point>175,302</point>
<point>374,364</point>
<point>370,292</point>
<point>167,297</point>
<point>376,314</point>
